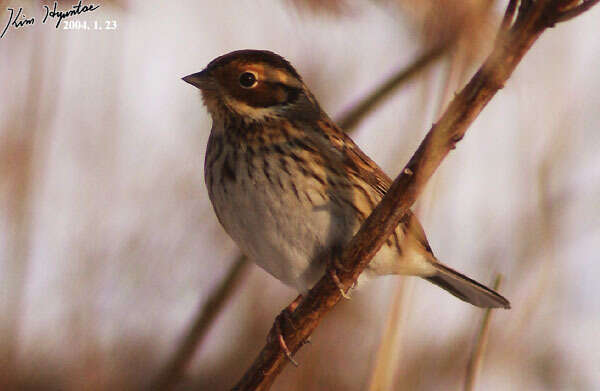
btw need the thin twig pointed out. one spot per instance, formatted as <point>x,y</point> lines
<point>576,11</point>
<point>388,353</point>
<point>480,344</point>
<point>176,364</point>
<point>442,137</point>
<point>355,114</point>
<point>509,15</point>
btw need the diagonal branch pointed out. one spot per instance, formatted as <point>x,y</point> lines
<point>532,20</point>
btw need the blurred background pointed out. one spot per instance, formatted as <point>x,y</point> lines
<point>109,246</point>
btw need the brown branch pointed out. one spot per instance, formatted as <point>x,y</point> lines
<point>480,344</point>
<point>176,364</point>
<point>442,137</point>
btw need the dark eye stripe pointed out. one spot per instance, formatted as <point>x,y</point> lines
<point>268,94</point>
<point>293,93</point>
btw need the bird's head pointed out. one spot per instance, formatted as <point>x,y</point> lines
<point>254,85</point>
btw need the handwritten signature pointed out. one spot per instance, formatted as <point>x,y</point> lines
<point>21,20</point>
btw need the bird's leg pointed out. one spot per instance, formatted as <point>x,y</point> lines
<point>333,265</point>
<point>276,330</point>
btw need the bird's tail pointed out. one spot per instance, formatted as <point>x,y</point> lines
<point>465,288</point>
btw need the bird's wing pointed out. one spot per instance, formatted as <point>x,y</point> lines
<point>358,163</point>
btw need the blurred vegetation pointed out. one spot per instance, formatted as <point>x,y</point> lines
<point>108,244</point>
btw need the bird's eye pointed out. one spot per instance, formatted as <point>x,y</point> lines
<point>247,79</point>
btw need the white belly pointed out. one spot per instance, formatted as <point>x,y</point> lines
<point>276,230</point>
<point>289,230</point>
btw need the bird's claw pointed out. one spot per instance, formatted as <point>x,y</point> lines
<point>286,314</point>
<point>336,280</point>
<point>282,343</point>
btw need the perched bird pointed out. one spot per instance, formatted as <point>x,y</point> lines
<point>290,187</point>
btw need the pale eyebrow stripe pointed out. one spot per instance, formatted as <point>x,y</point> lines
<point>273,74</point>
<point>281,76</point>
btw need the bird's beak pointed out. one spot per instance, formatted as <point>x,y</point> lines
<point>199,79</point>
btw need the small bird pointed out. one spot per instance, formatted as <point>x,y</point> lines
<point>291,188</point>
